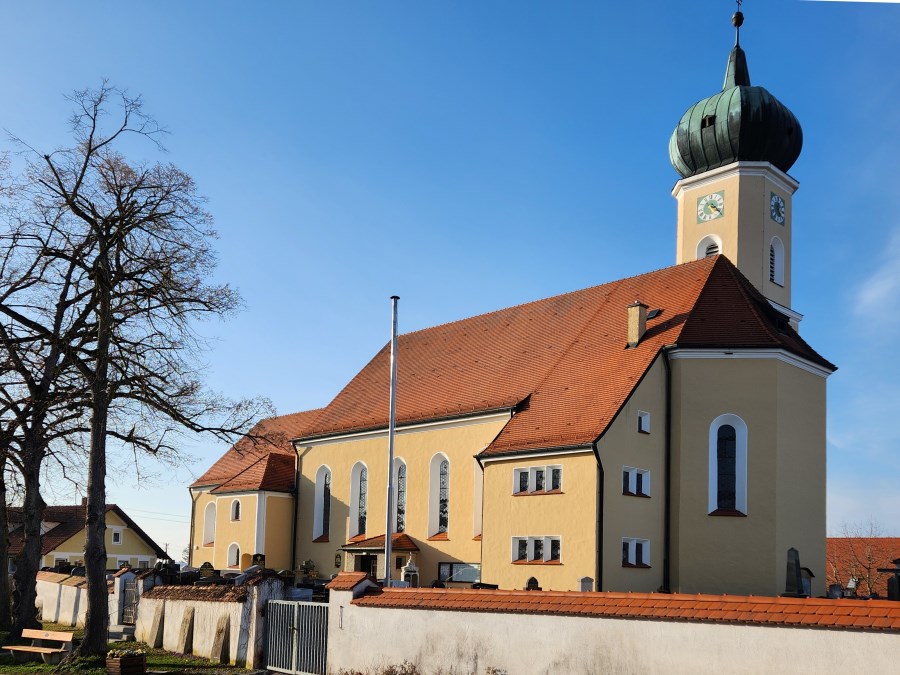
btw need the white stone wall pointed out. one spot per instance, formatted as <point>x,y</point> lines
<point>367,638</point>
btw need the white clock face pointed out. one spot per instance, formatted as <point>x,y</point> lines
<point>776,209</point>
<point>710,207</point>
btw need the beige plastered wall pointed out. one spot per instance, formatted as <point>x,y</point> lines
<point>784,410</point>
<point>133,548</point>
<point>631,516</point>
<point>746,228</point>
<point>570,515</point>
<point>460,441</point>
<point>278,528</point>
<point>241,532</point>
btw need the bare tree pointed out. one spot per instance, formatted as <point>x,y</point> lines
<point>857,555</point>
<point>144,245</point>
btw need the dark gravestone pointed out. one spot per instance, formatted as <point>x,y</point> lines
<point>532,585</point>
<point>206,570</point>
<point>793,582</point>
<point>258,559</point>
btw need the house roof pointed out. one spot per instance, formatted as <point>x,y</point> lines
<point>400,541</point>
<point>561,362</point>
<point>861,558</point>
<point>70,521</point>
<point>871,615</point>
<point>268,438</point>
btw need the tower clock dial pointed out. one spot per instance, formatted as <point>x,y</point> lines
<point>776,209</point>
<point>710,207</point>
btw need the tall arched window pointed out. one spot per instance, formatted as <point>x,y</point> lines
<point>399,495</point>
<point>710,245</point>
<point>359,498</point>
<point>439,496</point>
<point>322,506</point>
<point>209,523</point>
<point>728,465</point>
<point>776,261</point>
<point>236,510</point>
<point>234,556</point>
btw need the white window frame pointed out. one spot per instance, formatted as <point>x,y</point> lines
<point>531,471</point>
<point>354,497</point>
<point>235,510</point>
<point>740,462</point>
<point>395,497</point>
<point>319,506</point>
<point>233,548</point>
<point>545,552</point>
<point>632,552</point>
<point>643,422</point>
<point>117,532</point>
<point>632,481</point>
<point>434,493</point>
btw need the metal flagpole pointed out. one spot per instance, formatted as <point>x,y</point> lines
<point>389,529</point>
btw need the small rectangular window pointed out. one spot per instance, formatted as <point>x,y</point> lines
<point>143,564</point>
<point>707,121</point>
<point>539,480</point>
<point>556,478</point>
<point>626,482</point>
<point>635,552</point>
<point>522,550</point>
<point>625,552</point>
<point>468,573</point>
<point>554,549</point>
<point>60,561</point>
<point>635,482</point>
<point>538,551</point>
<point>523,481</point>
<point>116,537</point>
<point>643,422</point>
<point>639,483</point>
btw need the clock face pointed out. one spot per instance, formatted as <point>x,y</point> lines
<point>710,207</point>
<point>776,209</point>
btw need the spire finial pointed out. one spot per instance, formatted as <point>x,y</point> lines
<point>737,21</point>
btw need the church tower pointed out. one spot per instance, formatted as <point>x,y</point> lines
<point>733,151</point>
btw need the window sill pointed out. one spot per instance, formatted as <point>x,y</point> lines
<point>477,537</point>
<point>645,433</point>
<point>535,493</point>
<point>440,536</point>
<point>732,513</point>
<point>321,540</point>
<point>640,566</point>
<point>209,544</point>
<point>536,562</point>
<point>635,494</point>
<point>357,538</point>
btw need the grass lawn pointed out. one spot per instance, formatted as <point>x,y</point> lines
<point>157,659</point>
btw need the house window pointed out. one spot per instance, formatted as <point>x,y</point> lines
<point>143,564</point>
<point>322,507</point>
<point>554,549</point>
<point>400,496</point>
<point>635,552</point>
<point>536,549</point>
<point>728,466</point>
<point>776,261</point>
<point>236,510</point>
<point>635,482</point>
<point>439,496</point>
<point>359,498</point>
<point>209,523</point>
<point>234,556</point>
<point>520,550</point>
<point>469,573</point>
<point>536,478</point>
<point>643,425</point>
<point>117,536</point>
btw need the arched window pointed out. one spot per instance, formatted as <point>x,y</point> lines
<point>399,495</point>
<point>359,498</point>
<point>710,245</point>
<point>322,507</point>
<point>209,523</point>
<point>236,510</point>
<point>776,261</point>
<point>728,465</point>
<point>234,556</point>
<point>439,495</point>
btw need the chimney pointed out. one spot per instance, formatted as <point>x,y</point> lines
<point>637,322</point>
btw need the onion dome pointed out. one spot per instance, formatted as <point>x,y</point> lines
<point>740,123</point>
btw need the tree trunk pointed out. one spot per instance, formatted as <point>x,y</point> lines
<point>96,624</point>
<point>5,617</point>
<point>28,562</point>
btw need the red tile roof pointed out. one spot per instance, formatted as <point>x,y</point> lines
<point>70,521</point>
<point>561,361</point>
<point>268,437</point>
<point>346,581</point>
<point>860,558</point>
<point>274,472</point>
<point>400,541</point>
<point>879,615</point>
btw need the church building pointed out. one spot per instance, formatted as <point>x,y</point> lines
<point>660,432</point>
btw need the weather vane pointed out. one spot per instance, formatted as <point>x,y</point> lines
<point>737,21</point>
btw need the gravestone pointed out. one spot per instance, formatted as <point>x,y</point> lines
<point>793,581</point>
<point>258,559</point>
<point>206,570</point>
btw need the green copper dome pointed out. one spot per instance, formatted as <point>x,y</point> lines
<point>740,123</point>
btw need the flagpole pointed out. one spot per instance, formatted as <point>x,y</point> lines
<point>389,529</point>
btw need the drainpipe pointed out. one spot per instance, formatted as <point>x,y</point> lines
<point>294,495</point>
<point>193,515</point>
<point>598,565</point>
<point>667,519</point>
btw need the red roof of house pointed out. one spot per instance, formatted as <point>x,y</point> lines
<point>560,362</point>
<point>346,581</point>
<point>400,541</point>
<point>247,461</point>
<point>70,521</point>
<point>860,558</point>
<point>880,615</point>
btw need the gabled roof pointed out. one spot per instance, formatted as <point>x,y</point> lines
<point>400,541</point>
<point>269,437</point>
<point>70,521</point>
<point>561,362</point>
<point>274,472</point>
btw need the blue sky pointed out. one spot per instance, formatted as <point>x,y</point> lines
<point>469,156</point>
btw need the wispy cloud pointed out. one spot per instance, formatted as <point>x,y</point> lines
<point>879,293</point>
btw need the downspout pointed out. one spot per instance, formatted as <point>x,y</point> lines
<point>294,497</point>
<point>598,565</point>
<point>193,516</point>
<point>667,518</point>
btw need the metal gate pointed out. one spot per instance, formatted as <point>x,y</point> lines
<point>130,602</point>
<point>297,641</point>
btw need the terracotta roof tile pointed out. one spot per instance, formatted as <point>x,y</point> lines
<point>560,362</point>
<point>861,557</point>
<point>213,592</point>
<point>269,436</point>
<point>400,541</point>
<point>862,615</point>
<point>346,581</point>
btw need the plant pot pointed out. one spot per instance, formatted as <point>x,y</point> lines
<point>127,665</point>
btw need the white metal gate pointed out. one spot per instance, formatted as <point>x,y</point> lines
<point>297,641</point>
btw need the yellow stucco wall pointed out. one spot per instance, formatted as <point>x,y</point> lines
<point>132,548</point>
<point>279,516</point>
<point>459,441</point>
<point>784,410</point>
<point>570,515</point>
<point>227,531</point>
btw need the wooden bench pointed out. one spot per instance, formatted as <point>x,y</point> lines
<point>51,646</point>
